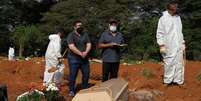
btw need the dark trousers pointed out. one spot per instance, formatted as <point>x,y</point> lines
<point>74,65</point>
<point>110,70</point>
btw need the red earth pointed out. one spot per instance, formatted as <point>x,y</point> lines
<point>18,75</point>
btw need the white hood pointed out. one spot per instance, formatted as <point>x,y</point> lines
<point>166,13</point>
<point>54,47</point>
<point>54,37</point>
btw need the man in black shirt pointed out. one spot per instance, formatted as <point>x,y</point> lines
<point>79,45</point>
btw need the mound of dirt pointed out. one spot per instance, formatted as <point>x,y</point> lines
<point>18,75</point>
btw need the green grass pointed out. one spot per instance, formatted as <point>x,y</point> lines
<point>147,73</point>
<point>22,58</point>
<point>129,61</point>
<point>199,77</point>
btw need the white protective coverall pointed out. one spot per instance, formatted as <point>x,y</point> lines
<point>169,33</point>
<point>53,52</point>
<point>11,53</point>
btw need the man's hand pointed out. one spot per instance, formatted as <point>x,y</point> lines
<point>74,49</point>
<point>163,49</point>
<point>113,44</point>
<point>84,54</point>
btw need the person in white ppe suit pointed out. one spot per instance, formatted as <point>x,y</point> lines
<point>172,45</point>
<point>52,58</point>
<point>11,53</point>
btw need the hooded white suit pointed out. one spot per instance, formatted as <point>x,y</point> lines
<point>169,33</point>
<point>11,53</point>
<point>53,52</point>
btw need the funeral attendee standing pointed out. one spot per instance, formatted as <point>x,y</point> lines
<point>109,43</point>
<point>11,53</point>
<point>52,58</point>
<point>172,45</point>
<point>79,46</point>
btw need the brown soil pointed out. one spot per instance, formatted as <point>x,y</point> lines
<point>18,75</point>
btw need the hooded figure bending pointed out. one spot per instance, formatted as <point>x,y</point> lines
<point>172,45</point>
<point>52,58</point>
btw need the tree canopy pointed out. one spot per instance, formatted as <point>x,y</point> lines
<point>138,22</point>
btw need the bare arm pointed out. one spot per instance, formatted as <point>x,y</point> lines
<point>106,45</point>
<point>88,47</point>
<point>74,49</point>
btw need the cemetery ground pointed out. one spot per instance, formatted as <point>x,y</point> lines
<point>145,80</point>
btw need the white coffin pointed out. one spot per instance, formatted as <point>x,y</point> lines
<point>111,90</point>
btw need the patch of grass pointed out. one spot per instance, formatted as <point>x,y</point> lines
<point>147,73</point>
<point>139,62</point>
<point>199,77</point>
<point>22,58</point>
<point>129,61</point>
<point>31,56</point>
<point>153,60</point>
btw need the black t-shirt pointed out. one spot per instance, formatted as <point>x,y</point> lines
<point>79,41</point>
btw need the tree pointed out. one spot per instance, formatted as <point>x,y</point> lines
<point>94,13</point>
<point>191,15</point>
<point>23,35</point>
<point>138,21</point>
<point>18,12</point>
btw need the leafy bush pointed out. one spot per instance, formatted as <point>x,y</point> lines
<point>31,96</point>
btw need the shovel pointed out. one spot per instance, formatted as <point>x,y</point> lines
<point>53,69</point>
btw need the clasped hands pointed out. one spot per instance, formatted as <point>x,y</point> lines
<point>83,54</point>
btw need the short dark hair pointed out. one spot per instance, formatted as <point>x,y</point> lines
<point>113,21</point>
<point>77,21</point>
<point>60,30</point>
<point>171,3</point>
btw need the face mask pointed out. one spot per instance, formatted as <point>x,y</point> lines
<point>80,30</point>
<point>113,28</point>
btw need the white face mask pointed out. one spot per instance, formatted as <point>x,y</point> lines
<point>113,28</point>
